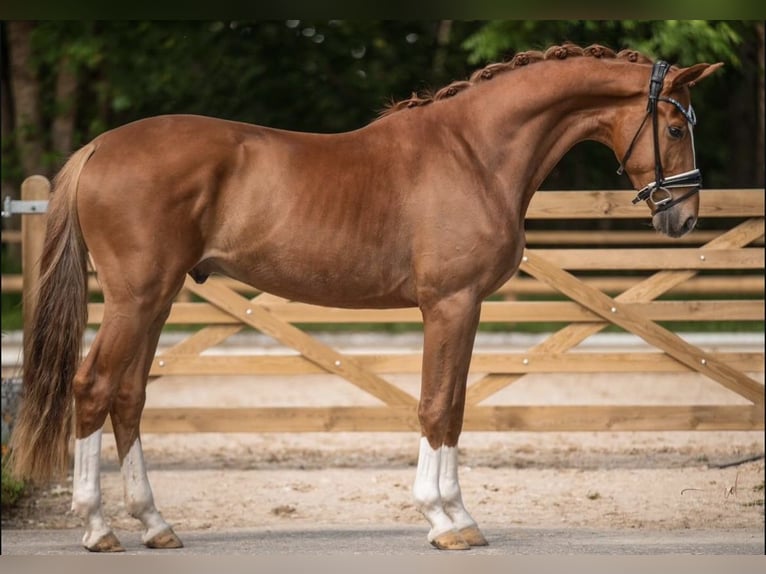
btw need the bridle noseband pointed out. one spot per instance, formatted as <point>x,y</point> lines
<point>661,183</point>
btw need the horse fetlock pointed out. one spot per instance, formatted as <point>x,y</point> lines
<point>459,515</point>
<point>152,520</point>
<point>426,499</point>
<point>85,503</point>
<point>98,535</point>
<point>140,508</point>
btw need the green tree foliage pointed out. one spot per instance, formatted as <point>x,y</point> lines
<point>680,41</point>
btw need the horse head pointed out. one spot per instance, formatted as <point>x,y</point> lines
<point>655,140</point>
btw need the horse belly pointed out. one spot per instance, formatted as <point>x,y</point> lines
<point>335,278</point>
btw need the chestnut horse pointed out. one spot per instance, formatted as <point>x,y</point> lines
<point>424,207</point>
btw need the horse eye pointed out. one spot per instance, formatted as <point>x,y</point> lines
<point>675,132</point>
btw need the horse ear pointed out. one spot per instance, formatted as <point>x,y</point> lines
<point>692,75</point>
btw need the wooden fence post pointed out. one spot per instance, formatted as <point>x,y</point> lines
<point>34,188</point>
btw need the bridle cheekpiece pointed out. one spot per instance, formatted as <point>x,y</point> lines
<point>662,184</point>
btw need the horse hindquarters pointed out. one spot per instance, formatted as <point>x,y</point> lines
<point>141,251</point>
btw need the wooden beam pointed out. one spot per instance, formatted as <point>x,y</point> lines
<point>618,237</point>
<point>317,352</point>
<point>618,204</point>
<point>500,418</point>
<point>720,285</point>
<point>11,235</point>
<point>491,312</point>
<point>648,289</point>
<point>650,259</point>
<point>211,335</point>
<point>33,188</point>
<point>615,312</point>
<point>708,284</point>
<point>389,363</point>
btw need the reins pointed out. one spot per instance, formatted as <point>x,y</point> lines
<point>692,178</point>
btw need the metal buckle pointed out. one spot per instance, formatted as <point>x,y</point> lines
<point>643,193</point>
<point>658,202</point>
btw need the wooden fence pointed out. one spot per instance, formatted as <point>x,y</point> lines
<point>640,266</point>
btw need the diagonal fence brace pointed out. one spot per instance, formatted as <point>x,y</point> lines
<point>326,357</point>
<point>617,313</point>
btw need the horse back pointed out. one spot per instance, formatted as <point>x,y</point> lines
<point>311,216</point>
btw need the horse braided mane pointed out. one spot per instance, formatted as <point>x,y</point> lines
<point>566,50</point>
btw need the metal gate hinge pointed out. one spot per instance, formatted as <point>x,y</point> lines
<point>18,206</point>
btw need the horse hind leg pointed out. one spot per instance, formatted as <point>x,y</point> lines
<point>112,380</point>
<point>94,388</point>
<point>86,495</point>
<point>126,415</point>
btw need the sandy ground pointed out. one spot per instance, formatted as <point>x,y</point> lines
<point>537,480</point>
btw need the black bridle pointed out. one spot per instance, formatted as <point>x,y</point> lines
<point>661,183</point>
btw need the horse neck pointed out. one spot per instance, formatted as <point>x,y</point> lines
<point>524,121</point>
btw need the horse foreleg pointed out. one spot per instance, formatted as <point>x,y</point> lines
<point>449,331</point>
<point>452,498</point>
<point>449,484</point>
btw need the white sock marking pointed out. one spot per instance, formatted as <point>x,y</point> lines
<point>449,487</point>
<point>426,493</point>
<point>86,488</point>
<point>138,493</point>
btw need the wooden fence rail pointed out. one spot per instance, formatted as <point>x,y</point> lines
<point>582,268</point>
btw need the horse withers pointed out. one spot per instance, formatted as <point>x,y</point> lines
<point>424,207</point>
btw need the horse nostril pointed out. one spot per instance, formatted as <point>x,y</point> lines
<point>689,224</point>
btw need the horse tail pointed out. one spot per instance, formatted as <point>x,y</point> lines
<point>53,345</point>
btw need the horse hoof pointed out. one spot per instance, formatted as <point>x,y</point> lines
<point>473,536</point>
<point>107,543</point>
<point>165,539</point>
<point>450,541</point>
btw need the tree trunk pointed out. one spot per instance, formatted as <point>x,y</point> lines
<point>443,33</point>
<point>25,90</point>
<point>8,187</point>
